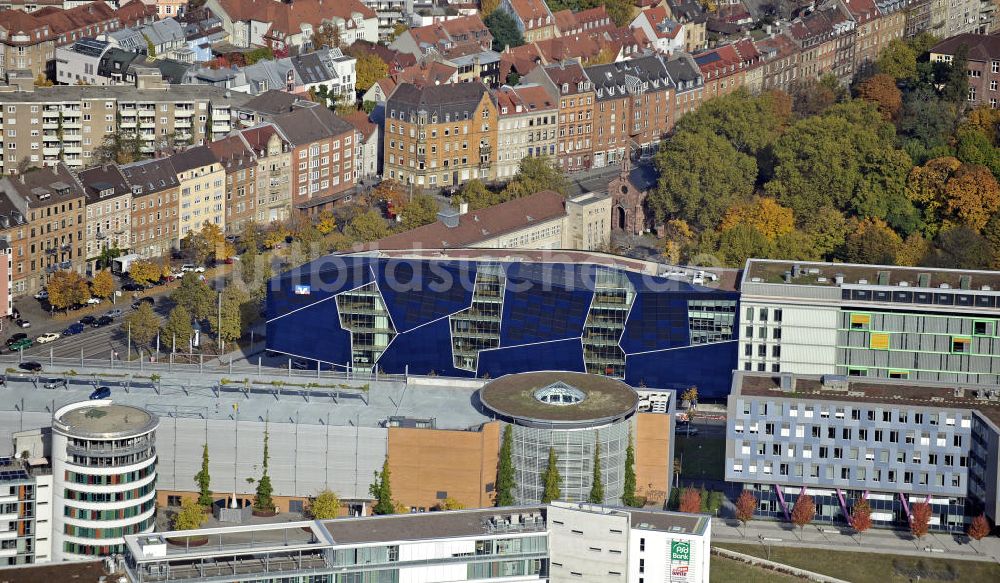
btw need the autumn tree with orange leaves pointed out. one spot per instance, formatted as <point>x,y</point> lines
<point>690,501</point>
<point>881,89</point>
<point>920,519</point>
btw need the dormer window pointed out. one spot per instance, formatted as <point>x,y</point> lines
<point>565,88</point>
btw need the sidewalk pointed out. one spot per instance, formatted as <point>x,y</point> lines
<point>838,538</point>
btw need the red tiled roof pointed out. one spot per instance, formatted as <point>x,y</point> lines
<point>258,136</point>
<point>862,10</point>
<point>565,20</point>
<point>982,47</point>
<point>360,121</point>
<point>136,12</point>
<point>531,10</point>
<point>422,75</point>
<point>288,18</point>
<point>481,225</point>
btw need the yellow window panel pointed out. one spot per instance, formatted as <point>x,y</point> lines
<point>879,341</point>
<point>860,321</point>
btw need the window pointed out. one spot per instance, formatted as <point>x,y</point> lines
<point>879,341</point>
<point>899,374</point>
<point>982,327</point>
<point>860,321</point>
<point>961,345</point>
<point>857,372</point>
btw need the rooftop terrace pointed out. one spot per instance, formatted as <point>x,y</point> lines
<point>837,274</point>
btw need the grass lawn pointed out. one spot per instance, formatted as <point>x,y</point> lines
<point>725,570</point>
<point>704,458</point>
<point>875,568</point>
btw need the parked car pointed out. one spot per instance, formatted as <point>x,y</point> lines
<point>192,267</point>
<point>23,323</point>
<point>47,337</point>
<point>100,393</point>
<point>88,320</point>
<point>686,430</point>
<point>15,338</point>
<point>94,301</point>
<point>74,329</point>
<point>139,302</point>
<point>22,343</point>
<point>56,384</point>
<point>30,366</point>
<point>132,286</point>
<point>42,295</point>
<point>114,313</point>
<point>177,274</point>
<point>102,321</point>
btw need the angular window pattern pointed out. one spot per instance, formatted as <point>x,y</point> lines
<point>711,320</point>
<point>363,313</point>
<point>613,298</point>
<point>478,327</point>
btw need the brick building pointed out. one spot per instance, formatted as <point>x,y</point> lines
<point>109,210</point>
<point>155,205</point>
<point>983,65</point>
<point>568,83</point>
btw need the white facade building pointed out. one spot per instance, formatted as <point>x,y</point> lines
<point>104,470</point>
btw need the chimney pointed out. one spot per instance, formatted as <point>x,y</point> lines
<point>449,217</point>
<point>463,207</point>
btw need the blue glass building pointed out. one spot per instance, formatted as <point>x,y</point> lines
<point>491,313</point>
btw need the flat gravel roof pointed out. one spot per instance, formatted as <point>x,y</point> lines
<point>604,399</point>
<point>104,420</point>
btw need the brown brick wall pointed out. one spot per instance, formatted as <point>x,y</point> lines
<point>424,462</point>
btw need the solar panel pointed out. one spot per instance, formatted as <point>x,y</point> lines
<point>6,461</point>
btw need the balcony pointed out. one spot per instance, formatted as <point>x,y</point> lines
<point>186,113</point>
<point>51,151</point>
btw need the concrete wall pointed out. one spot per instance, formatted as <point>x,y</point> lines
<point>652,455</point>
<point>587,546</point>
<point>460,464</point>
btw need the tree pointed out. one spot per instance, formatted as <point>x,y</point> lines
<point>150,47</point>
<point>898,60</point>
<point>701,175</point>
<point>985,120</point>
<point>803,511</point>
<point>478,196</point>
<point>872,242</point>
<point>486,7</point>
<point>920,519</point>
<point>603,57</point>
<point>746,505</point>
<point>208,241</point>
<point>120,147</point>
<point>262,501</point>
<point>381,491</point>
<point>861,516</point>
<point>749,123</point>
<point>67,289</point>
<point>551,479</point>
<point>628,481</point>
<point>450,503</point>
<point>42,81</point>
<point>505,469</point>
<point>922,43</point>
<point>620,11</point>
<point>327,35</point>
<point>142,325</point>
<point>420,211</point>
<point>703,499</point>
<point>979,528</point>
<point>103,285</point>
<point>690,501</point>
<point>259,54</point>
<point>325,505</point>
<point>504,30</point>
<point>597,482</point>
<point>204,480</point>
<point>925,186</point>
<point>691,397</point>
<point>144,272</point>
<point>535,174</point>
<point>975,147</point>
<point>882,91</point>
<point>973,196</point>
<point>177,327</point>
<point>196,296</point>
<point>366,227</point>
<point>960,247</point>
<point>991,234</point>
<point>956,88</point>
<point>191,516</point>
<point>369,69</point>
<point>742,242</point>
<point>764,214</point>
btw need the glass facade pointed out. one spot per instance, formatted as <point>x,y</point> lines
<point>467,318</point>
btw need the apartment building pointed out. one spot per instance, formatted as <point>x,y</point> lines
<point>240,166</point>
<point>871,321</point>
<point>322,171</point>
<point>45,126</point>
<point>522,543</point>
<point>950,18</point>
<point>109,211</point>
<point>917,17</point>
<point>274,175</point>
<point>28,40</point>
<point>532,17</point>
<point>983,65</point>
<point>441,36</point>
<point>47,228</point>
<point>826,41</point>
<point>839,439</point>
<point>781,62</point>
<point>527,127</point>
<point>878,22</point>
<point>202,182</point>
<point>367,145</point>
<point>286,28</point>
<point>25,495</point>
<point>633,108</point>
<point>155,205</point>
<point>568,85</point>
<point>689,84</point>
<point>440,136</point>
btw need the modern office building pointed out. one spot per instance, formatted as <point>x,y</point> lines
<point>839,439</point>
<point>25,511</point>
<point>578,416</point>
<point>104,467</point>
<point>871,321</point>
<point>520,543</point>
<point>487,313</point>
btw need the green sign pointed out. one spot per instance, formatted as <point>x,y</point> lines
<point>680,550</point>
